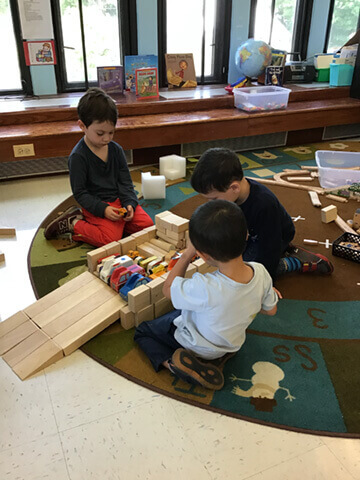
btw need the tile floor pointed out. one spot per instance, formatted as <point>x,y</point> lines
<point>77,420</point>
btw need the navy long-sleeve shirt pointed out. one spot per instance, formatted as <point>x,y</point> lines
<point>270,227</point>
<point>95,182</point>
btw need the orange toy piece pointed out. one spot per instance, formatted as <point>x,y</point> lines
<point>122,212</point>
<point>133,254</point>
<point>173,261</point>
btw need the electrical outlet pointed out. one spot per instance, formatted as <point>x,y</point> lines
<point>24,150</point>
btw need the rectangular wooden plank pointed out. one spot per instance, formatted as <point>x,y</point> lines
<point>93,256</point>
<point>93,301</point>
<point>127,317</point>
<point>7,232</point>
<point>128,243</point>
<point>156,287</point>
<point>47,354</point>
<point>17,335</point>
<point>139,298</point>
<point>53,297</point>
<point>24,348</point>
<point>49,313</point>
<point>113,248</point>
<point>144,315</point>
<point>162,306</point>
<point>90,325</point>
<point>12,322</point>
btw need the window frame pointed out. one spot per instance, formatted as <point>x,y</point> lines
<point>25,77</point>
<point>127,17</point>
<point>221,44</point>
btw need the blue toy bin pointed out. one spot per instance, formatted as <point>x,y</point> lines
<point>341,74</point>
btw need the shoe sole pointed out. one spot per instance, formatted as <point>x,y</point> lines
<point>318,255</point>
<point>190,369</point>
<point>67,212</point>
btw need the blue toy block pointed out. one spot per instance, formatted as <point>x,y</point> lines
<point>134,281</point>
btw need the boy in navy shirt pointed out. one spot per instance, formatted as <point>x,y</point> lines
<point>219,175</point>
<point>100,180</point>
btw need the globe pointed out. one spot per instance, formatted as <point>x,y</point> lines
<point>252,57</point>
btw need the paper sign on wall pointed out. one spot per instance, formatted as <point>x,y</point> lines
<point>35,19</point>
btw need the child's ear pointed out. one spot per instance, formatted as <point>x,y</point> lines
<point>81,125</point>
<point>235,188</point>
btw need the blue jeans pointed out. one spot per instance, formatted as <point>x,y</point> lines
<point>156,338</point>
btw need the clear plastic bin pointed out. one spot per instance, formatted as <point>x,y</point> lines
<point>335,168</point>
<point>261,99</point>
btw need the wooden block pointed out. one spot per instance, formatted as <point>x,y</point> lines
<point>139,298</point>
<point>156,289</point>
<point>337,198</point>
<point>94,300</point>
<point>328,214</point>
<point>140,237</point>
<point>90,325</point>
<point>144,315</point>
<point>314,197</point>
<point>113,248</point>
<point>300,179</point>
<point>93,256</point>
<point>200,265</point>
<point>16,336</point>
<point>39,359</point>
<point>160,219</point>
<point>7,232</point>
<point>53,297</point>
<point>151,231</point>
<point>191,269</point>
<point>343,225</point>
<point>127,317</point>
<point>178,243</point>
<point>24,348</point>
<point>148,249</point>
<point>162,244</point>
<point>170,255</point>
<point>162,306</point>
<point>67,304</point>
<point>13,322</point>
<point>179,224</point>
<point>127,243</point>
<point>2,257</point>
<point>175,235</point>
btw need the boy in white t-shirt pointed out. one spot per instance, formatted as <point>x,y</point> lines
<point>213,310</point>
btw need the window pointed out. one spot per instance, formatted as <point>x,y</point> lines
<point>200,27</point>
<point>343,23</point>
<point>90,33</point>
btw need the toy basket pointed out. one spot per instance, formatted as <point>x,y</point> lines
<point>345,251</point>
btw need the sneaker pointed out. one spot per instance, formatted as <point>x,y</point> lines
<point>310,262</point>
<point>63,223</point>
<point>189,368</point>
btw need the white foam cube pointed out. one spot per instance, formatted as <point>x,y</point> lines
<point>153,186</point>
<point>173,166</point>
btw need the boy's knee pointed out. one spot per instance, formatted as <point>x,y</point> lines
<point>141,330</point>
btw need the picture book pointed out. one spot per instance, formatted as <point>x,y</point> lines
<point>111,79</point>
<point>146,81</point>
<point>180,70</point>
<point>133,62</point>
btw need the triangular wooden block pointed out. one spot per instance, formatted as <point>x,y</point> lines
<point>17,335</point>
<point>40,358</point>
<point>23,349</point>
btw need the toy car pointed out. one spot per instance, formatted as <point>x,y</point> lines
<point>134,281</point>
<point>111,263</point>
<point>121,275</point>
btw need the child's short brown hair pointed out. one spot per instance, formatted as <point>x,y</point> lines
<point>97,106</point>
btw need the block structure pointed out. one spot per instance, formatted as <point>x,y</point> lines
<point>328,214</point>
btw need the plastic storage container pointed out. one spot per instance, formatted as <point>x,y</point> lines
<point>341,74</point>
<point>322,74</point>
<point>335,168</point>
<point>344,247</point>
<point>260,99</point>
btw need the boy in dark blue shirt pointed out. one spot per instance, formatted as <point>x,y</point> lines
<point>219,175</point>
<point>100,179</point>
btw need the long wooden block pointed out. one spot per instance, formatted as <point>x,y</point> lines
<point>178,224</point>
<point>160,221</point>
<point>93,256</point>
<point>144,315</point>
<point>2,257</point>
<point>39,359</point>
<point>127,243</point>
<point>140,237</point>
<point>87,327</point>
<point>16,336</point>
<point>163,306</point>
<point>151,231</point>
<point>162,244</point>
<point>343,225</point>
<point>85,306</point>
<point>12,322</point>
<point>113,248</point>
<point>156,287</point>
<point>151,250</point>
<point>53,297</point>
<point>66,304</point>
<point>175,235</point>
<point>127,318</point>
<point>177,242</point>
<point>7,232</point>
<point>191,269</point>
<point>139,298</point>
<point>27,346</point>
<point>200,265</point>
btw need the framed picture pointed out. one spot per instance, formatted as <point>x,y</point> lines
<point>180,70</point>
<point>40,52</point>
<point>146,81</point>
<point>111,79</point>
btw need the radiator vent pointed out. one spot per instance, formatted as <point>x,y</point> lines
<point>341,131</point>
<point>237,144</point>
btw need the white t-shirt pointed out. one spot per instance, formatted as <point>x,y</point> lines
<point>216,311</point>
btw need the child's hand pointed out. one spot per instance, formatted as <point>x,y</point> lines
<point>278,293</point>
<point>112,213</point>
<point>130,214</point>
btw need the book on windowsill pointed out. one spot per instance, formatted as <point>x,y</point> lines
<point>180,70</point>
<point>146,81</point>
<point>111,79</point>
<point>133,62</point>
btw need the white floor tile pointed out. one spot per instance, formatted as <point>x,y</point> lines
<point>141,443</point>
<point>347,451</point>
<point>41,459</point>
<point>25,407</point>
<point>319,464</point>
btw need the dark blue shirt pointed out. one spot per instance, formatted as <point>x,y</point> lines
<point>95,182</point>
<point>270,227</point>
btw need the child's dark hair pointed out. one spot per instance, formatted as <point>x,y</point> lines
<point>215,170</point>
<point>218,228</point>
<point>97,106</point>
